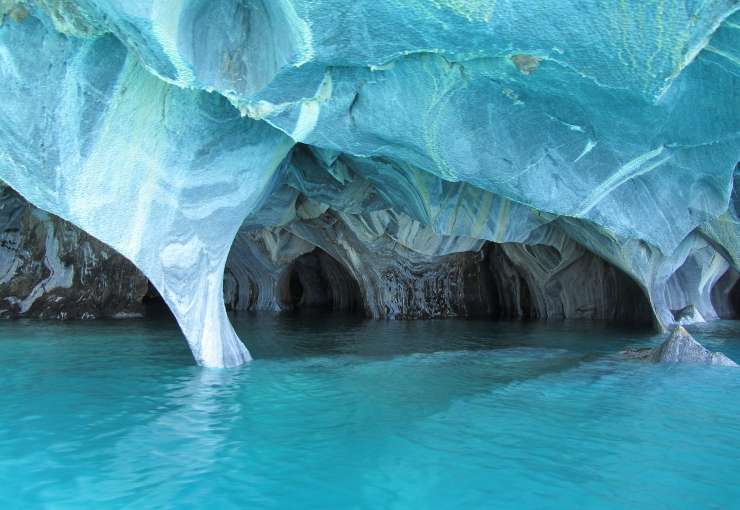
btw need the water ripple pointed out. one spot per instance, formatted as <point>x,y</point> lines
<point>351,414</point>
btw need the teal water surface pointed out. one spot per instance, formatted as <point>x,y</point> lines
<point>341,413</point>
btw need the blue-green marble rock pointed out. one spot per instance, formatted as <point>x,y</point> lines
<point>421,128</point>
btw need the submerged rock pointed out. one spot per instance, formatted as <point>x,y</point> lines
<point>641,353</point>
<point>680,347</point>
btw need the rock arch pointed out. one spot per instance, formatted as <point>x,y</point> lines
<point>316,280</point>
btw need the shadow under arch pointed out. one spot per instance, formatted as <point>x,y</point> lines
<point>726,295</point>
<point>316,280</point>
<point>541,282</point>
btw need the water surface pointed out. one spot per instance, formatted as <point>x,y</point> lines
<point>337,412</point>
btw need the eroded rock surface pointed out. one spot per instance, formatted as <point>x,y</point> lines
<point>50,269</point>
<point>682,348</point>
<point>548,159</point>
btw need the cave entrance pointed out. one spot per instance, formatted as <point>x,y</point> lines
<point>515,281</point>
<point>735,300</point>
<point>317,281</point>
<point>537,282</point>
<point>154,304</point>
<point>726,295</point>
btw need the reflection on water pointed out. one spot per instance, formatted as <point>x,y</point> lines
<point>337,412</point>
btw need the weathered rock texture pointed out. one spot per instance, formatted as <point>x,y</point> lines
<point>682,348</point>
<point>50,269</point>
<point>553,158</point>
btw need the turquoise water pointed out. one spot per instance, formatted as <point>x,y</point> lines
<point>340,413</point>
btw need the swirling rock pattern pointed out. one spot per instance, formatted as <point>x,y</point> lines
<point>49,269</point>
<point>578,154</point>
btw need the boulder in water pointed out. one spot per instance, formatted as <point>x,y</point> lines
<point>641,353</point>
<point>682,348</point>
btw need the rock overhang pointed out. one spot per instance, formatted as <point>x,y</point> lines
<point>435,125</point>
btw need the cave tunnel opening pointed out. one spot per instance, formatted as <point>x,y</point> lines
<point>316,281</point>
<point>725,295</point>
<point>154,304</point>
<point>535,282</point>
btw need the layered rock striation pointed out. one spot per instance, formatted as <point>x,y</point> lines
<point>49,269</point>
<point>408,159</point>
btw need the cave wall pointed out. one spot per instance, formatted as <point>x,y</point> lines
<point>50,269</point>
<point>500,281</point>
<point>317,281</point>
<point>726,295</point>
<point>383,266</point>
<point>400,138</point>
